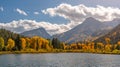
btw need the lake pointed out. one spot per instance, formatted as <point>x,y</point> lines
<point>59,60</point>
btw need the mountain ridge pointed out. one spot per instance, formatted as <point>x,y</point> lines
<point>91,29</point>
<point>37,32</point>
<point>82,31</point>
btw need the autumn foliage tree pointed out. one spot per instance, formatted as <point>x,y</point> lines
<point>107,40</point>
<point>73,46</point>
<point>39,43</point>
<point>108,45</point>
<point>28,42</point>
<point>10,44</point>
<point>118,45</point>
<point>1,43</point>
<point>23,43</point>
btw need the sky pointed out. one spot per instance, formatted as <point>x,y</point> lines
<point>56,16</point>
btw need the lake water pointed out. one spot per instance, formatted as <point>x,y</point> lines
<point>59,60</point>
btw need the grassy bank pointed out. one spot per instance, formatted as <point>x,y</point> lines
<point>58,51</point>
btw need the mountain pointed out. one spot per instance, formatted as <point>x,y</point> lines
<point>84,31</point>
<point>91,29</point>
<point>114,35</point>
<point>113,23</point>
<point>36,32</point>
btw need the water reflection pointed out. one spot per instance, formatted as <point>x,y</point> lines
<point>59,60</point>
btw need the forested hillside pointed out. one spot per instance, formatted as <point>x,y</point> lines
<point>10,41</point>
<point>114,35</point>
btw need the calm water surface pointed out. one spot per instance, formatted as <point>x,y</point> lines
<point>60,60</point>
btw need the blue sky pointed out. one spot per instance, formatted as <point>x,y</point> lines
<point>30,6</point>
<point>56,16</point>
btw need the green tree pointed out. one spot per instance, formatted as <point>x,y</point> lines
<point>56,43</point>
<point>18,43</point>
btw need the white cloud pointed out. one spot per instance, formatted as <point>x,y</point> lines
<point>21,12</point>
<point>25,25</point>
<point>36,13</point>
<point>78,13</point>
<point>1,9</point>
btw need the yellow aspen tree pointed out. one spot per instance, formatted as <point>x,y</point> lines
<point>23,43</point>
<point>64,46</point>
<point>107,40</point>
<point>118,45</point>
<point>73,46</point>
<point>79,46</point>
<point>34,43</point>
<point>10,44</point>
<point>100,45</point>
<point>92,45</point>
<point>39,43</point>
<point>1,43</point>
<point>28,42</point>
<point>108,48</point>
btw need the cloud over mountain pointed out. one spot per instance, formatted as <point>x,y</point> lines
<point>79,12</point>
<point>25,25</point>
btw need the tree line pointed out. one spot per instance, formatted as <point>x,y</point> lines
<point>24,43</point>
<point>36,43</point>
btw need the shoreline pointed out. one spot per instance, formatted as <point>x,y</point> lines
<point>38,52</point>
